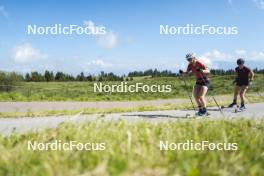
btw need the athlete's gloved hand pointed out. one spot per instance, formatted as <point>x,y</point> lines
<point>199,69</point>
<point>250,82</point>
<point>180,71</point>
<point>235,81</point>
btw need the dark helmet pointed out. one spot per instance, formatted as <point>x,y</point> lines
<point>190,56</point>
<point>240,61</point>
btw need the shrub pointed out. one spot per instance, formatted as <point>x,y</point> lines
<point>9,80</point>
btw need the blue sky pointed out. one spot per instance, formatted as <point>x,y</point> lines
<point>133,40</point>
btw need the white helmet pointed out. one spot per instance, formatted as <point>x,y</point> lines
<point>190,56</point>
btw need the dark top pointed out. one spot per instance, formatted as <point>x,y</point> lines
<point>243,74</point>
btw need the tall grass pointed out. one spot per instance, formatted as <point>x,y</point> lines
<point>133,149</point>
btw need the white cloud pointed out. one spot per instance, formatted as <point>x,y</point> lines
<point>259,4</point>
<point>250,56</point>
<point>258,56</point>
<point>206,60</point>
<point>108,40</point>
<point>26,53</point>
<point>240,52</point>
<point>210,58</point>
<point>3,11</point>
<point>95,29</point>
<point>214,58</point>
<point>89,23</point>
<point>99,63</point>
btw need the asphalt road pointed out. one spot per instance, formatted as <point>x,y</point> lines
<point>62,105</point>
<point>71,105</point>
<point>25,124</point>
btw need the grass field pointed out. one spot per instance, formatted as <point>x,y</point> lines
<point>133,149</point>
<point>83,91</point>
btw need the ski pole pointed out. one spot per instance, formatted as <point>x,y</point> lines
<point>190,97</point>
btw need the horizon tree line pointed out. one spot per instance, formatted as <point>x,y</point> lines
<point>49,76</point>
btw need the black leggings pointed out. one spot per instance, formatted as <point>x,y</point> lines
<point>203,83</point>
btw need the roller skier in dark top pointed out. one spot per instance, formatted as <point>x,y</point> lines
<point>244,78</point>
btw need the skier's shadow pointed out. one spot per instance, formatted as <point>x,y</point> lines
<point>153,116</point>
<point>217,109</point>
<point>223,110</point>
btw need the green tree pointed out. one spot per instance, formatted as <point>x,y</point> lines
<point>9,81</point>
<point>48,76</point>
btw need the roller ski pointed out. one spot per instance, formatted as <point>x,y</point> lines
<point>202,113</point>
<point>241,108</point>
<point>232,105</point>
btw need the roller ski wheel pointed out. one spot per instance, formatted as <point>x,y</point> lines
<point>240,109</point>
<point>231,105</point>
<point>201,115</point>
